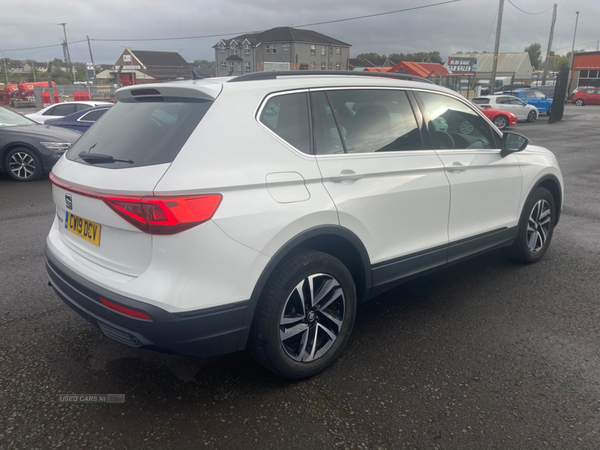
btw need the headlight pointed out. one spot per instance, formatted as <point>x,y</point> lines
<point>64,146</point>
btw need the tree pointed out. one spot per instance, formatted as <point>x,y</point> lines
<point>535,55</point>
<point>204,63</point>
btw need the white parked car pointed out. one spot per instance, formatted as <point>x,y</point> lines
<point>60,110</point>
<point>509,103</point>
<point>204,217</point>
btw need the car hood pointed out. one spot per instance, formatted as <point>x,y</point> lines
<point>45,132</point>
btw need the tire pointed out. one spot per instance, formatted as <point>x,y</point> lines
<point>501,122</point>
<point>531,117</point>
<point>535,228</point>
<point>23,164</point>
<point>317,334</point>
<point>579,102</point>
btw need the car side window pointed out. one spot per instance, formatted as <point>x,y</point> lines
<point>503,100</point>
<point>287,116</point>
<point>538,94</point>
<point>92,116</point>
<point>370,120</point>
<point>64,110</point>
<point>82,107</point>
<point>529,95</point>
<point>327,137</point>
<point>50,112</point>
<point>516,101</point>
<point>453,125</point>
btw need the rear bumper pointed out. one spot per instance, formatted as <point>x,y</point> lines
<point>207,332</point>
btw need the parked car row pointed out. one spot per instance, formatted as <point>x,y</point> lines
<point>30,147</point>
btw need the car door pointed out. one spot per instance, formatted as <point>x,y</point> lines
<point>505,103</point>
<point>485,186</point>
<point>388,190</point>
<point>64,109</point>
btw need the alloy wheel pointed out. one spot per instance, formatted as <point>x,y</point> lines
<point>22,165</point>
<point>538,226</point>
<point>500,122</point>
<point>312,317</point>
<point>531,116</point>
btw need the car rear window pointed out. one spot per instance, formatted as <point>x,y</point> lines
<point>147,131</point>
<point>481,101</point>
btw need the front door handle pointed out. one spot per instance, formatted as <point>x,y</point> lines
<point>456,167</point>
<point>346,175</point>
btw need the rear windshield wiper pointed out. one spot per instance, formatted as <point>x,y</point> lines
<point>99,158</point>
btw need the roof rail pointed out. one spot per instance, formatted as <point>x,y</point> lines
<point>255,76</point>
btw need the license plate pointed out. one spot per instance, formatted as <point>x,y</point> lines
<point>88,230</point>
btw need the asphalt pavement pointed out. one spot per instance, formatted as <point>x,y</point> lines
<point>486,354</point>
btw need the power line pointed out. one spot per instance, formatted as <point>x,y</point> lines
<point>296,26</point>
<point>42,46</point>
<point>532,14</point>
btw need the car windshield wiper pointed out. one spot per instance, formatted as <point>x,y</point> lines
<point>99,158</point>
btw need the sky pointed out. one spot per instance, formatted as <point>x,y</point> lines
<point>464,25</point>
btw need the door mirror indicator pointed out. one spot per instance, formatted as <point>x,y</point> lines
<point>513,142</point>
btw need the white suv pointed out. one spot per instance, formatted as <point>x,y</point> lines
<point>204,217</point>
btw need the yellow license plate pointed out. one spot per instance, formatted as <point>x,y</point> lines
<point>84,228</point>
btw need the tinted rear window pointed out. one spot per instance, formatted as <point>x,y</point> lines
<point>147,131</point>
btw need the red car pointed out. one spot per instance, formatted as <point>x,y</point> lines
<point>502,119</point>
<point>587,96</point>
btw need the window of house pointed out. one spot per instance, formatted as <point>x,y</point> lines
<point>274,49</point>
<point>323,66</point>
<point>222,48</point>
<point>231,66</point>
<point>235,51</point>
<point>364,121</point>
<point>584,73</point>
<point>338,51</point>
<point>312,65</point>
<point>239,66</point>
<point>285,47</point>
<point>247,49</point>
<point>338,66</point>
<point>247,67</point>
<point>323,50</point>
<point>453,125</point>
<point>287,116</point>
<point>223,65</point>
<point>268,48</point>
<point>313,50</point>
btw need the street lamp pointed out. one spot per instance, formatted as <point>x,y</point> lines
<point>5,71</point>
<point>570,79</point>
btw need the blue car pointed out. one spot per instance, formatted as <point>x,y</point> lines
<point>535,98</point>
<point>81,120</point>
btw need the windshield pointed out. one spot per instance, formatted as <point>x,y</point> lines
<point>147,131</point>
<point>9,118</point>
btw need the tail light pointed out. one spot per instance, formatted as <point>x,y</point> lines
<point>156,215</point>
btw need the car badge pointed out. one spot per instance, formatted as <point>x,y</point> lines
<point>69,201</point>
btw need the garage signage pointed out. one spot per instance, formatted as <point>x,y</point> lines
<point>462,66</point>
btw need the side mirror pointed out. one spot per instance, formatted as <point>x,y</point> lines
<point>513,142</point>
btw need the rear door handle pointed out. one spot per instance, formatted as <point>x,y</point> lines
<point>456,167</point>
<point>346,175</point>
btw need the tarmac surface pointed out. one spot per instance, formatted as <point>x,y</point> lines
<point>486,354</point>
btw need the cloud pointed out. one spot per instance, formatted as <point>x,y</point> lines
<point>466,25</point>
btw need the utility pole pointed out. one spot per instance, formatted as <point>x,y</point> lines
<point>496,48</point>
<point>33,70</point>
<point>90,47</point>
<point>570,78</point>
<point>50,85</point>
<point>549,47</point>
<point>5,71</point>
<point>68,54</point>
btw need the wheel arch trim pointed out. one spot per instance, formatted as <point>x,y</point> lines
<point>285,250</point>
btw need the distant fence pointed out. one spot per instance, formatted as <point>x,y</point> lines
<point>17,97</point>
